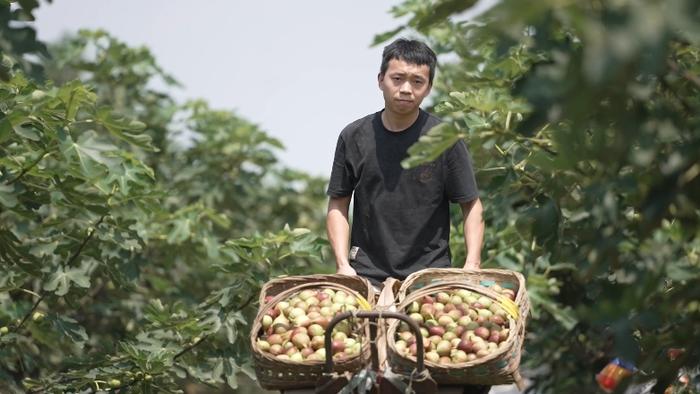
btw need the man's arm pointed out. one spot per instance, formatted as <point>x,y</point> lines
<point>473,232</point>
<point>338,229</point>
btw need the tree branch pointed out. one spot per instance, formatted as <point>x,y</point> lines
<point>86,240</point>
<point>192,346</point>
<point>26,169</point>
<point>189,348</point>
<point>70,261</point>
<point>31,311</point>
<point>175,357</point>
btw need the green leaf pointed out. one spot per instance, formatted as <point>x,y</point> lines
<point>127,173</point>
<point>180,230</point>
<point>28,6</point>
<point>16,121</point>
<point>89,153</point>
<point>60,280</point>
<point>27,133</point>
<point>380,38</point>
<point>7,196</point>
<point>549,162</point>
<point>69,327</point>
<point>441,10</point>
<point>211,323</point>
<point>565,315</point>
<point>10,339</point>
<point>5,129</point>
<point>124,128</point>
<point>247,369</point>
<point>680,271</point>
<point>230,371</point>
<point>218,369</point>
<point>231,330</point>
<point>117,122</point>
<point>431,145</point>
<point>75,95</point>
<point>43,249</point>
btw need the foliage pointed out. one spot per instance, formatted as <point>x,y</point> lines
<point>582,119</point>
<point>135,232</point>
<point>18,43</point>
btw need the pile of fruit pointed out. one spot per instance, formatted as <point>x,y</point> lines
<point>294,328</point>
<point>457,326</point>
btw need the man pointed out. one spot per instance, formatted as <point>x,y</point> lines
<point>401,217</point>
<point>401,221</point>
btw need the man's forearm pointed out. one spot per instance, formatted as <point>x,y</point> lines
<point>338,230</point>
<point>473,232</point>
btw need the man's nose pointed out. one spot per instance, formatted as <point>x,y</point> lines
<point>405,87</point>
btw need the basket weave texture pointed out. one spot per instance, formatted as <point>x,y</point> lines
<point>276,374</point>
<point>499,367</point>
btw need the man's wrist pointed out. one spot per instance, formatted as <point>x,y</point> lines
<point>474,263</point>
<point>342,263</point>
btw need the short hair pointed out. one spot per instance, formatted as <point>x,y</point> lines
<point>410,51</point>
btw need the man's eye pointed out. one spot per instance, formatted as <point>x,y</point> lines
<point>418,82</point>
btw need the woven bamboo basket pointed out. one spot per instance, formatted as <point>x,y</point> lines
<point>276,374</point>
<point>483,277</point>
<point>499,367</point>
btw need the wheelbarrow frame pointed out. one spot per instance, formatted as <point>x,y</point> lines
<point>333,383</point>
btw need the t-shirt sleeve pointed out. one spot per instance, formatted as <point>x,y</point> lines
<point>460,183</point>
<point>342,180</point>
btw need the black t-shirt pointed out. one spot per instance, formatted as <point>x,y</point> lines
<point>401,220</point>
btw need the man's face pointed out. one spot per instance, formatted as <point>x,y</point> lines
<point>404,86</point>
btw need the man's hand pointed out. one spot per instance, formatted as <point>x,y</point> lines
<point>346,270</point>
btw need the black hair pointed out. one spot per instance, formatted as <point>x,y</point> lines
<point>410,51</point>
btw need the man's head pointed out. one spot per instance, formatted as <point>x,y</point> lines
<point>410,51</point>
<point>406,76</point>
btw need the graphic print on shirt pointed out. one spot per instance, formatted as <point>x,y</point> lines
<point>425,172</point>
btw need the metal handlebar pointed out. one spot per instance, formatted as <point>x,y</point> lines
<point>373,316</point>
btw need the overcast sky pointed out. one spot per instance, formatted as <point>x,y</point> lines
<point>301,70</point>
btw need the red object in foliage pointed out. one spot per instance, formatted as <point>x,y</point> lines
<point>607,382</point>
<point>612,374</point>
<point>673,353</point>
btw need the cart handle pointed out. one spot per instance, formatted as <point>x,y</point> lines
<point>373,316</point>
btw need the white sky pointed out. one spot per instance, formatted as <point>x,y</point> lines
<point>301,70</point>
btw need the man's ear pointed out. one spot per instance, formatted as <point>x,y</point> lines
<point>380,77</point>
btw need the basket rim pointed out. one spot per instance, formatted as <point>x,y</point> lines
<point>304,279</point>
<point>514,327</point>
<point>405,288</point>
